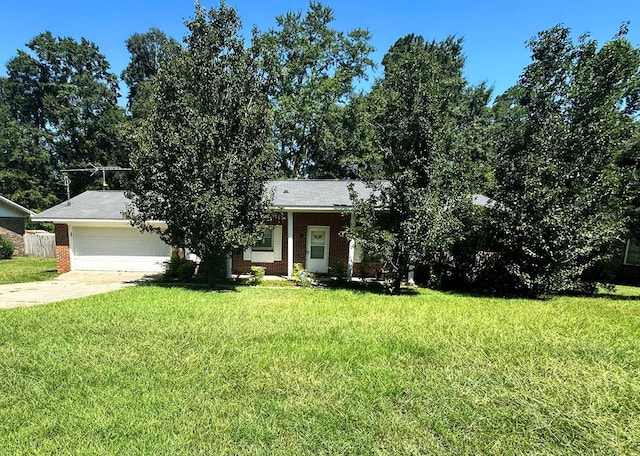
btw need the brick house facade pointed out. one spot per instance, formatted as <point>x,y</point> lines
<point>338,251</point>
<point>307,226</point>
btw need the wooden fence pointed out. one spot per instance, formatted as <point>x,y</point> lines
<point>40,244</point>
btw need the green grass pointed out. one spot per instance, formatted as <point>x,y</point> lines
<point>154,370</point>
<point>27,269</point>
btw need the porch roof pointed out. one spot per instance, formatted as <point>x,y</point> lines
<point>315,194</point>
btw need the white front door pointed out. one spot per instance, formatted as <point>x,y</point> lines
<point>318,249</point>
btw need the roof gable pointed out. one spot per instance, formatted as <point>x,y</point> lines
<point>10,209</point>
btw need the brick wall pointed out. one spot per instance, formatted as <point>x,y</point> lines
<point>62,248</point>
<point>240,266</point>
<point>628,275</point>
<point>338,245</point>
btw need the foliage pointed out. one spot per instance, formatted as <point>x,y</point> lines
<point>311,68</point>
<point>148,51</point>
<point>562,198</point>
<point>6,248</point>
<point>429,128</point>
<point>201,164</point>
<point>62,105</point>
<point>338,270</point>
<point>300,276</point>
<point>152,370</point>
<point>26,166</point>
<point>257,275</point>
<point>179,269</point>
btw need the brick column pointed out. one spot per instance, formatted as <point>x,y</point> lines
<point>62,248</point>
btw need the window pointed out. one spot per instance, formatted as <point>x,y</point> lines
<point>266,244</point>
<point>632,255</point>
<point>268,250</point>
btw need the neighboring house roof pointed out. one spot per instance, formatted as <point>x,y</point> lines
<point>296,195</point>
<point>13,209</point>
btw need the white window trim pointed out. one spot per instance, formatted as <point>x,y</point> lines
<point>267,256</point>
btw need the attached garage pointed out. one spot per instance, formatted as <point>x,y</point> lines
<point>92,234</point>
<point>116,249</point>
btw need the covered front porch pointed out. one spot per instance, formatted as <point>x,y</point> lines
<point>316,240</point>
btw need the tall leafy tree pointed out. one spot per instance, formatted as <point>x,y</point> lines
<point>63,98</point>
<point>202,161</point>
<point>26,166</point>
<point>562,196</point>
<point>312,69</point>
<point>429,129</point>
<point>147,51</point>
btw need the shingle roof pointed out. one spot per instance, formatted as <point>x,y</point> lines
<point>287,194</point>
<point>15,206</point>
<point>315,194</point>
<point>90,205</point>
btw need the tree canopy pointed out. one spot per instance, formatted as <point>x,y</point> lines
<point>61,101</point>
<point>425,118</point>
<point>148,50</point>
<point>202,161</point>
<point>312,68</point>
<point>208,121</point>
<point>562,197</point>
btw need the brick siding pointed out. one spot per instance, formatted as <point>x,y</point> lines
<point>338,245</point>
<point>62,248</point>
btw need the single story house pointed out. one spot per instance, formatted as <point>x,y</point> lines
<point>12,218</point>
<point>309,219</point>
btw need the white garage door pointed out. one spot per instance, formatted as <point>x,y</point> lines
<point>118,249</point>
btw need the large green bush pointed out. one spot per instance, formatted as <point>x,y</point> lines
<point>6,248</point>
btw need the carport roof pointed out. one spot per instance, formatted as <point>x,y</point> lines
<point>297,195</point>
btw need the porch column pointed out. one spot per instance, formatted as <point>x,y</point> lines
<point>352,249</point>
<point>228,269</point>
<point>289,244</point>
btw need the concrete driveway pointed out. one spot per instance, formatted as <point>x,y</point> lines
<point>75,284</point>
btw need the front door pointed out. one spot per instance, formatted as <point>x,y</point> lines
<point>318,249</point>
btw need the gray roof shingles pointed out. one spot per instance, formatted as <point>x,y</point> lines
<point>90,205</point>
<point>287,194</point>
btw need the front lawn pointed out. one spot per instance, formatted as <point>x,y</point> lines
<point>27,269</point>
<point>153,370</point>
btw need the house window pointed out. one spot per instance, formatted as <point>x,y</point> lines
<point>632,255</point>
<point>266,244</point>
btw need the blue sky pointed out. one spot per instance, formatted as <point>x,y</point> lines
<point>494,32</point>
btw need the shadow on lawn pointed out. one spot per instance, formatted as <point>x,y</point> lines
<point>549,297</point>
<point>615,297</point>
<point>372,287</point>
<point>193,286</point>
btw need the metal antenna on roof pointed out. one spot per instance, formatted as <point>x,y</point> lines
<point>96,168</point>
<point>67,182</point>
